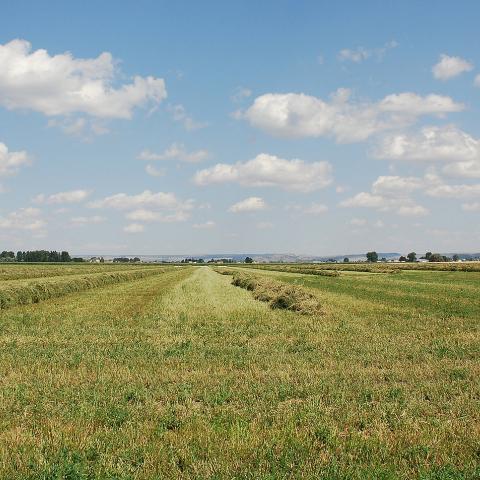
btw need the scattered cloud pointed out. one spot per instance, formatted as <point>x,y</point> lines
<point>80,127</point>
<point>176,151</point>
<point>315,209</point>
<point>145,215</point>
<point>449,67</point>
<point>180,115</point>
<point>390,193</point>
<point>360,54</point>
<point>29,219</point>
<point>394,185</point>
<point>293,115</point>
<point>154,172</point>
<point>205,225</point>
<point>358,222</point>
<point>265,225</point>
<point>361,223</point>
<point>401,206</point>
<point>83,221</point>
<point>412,211</point>
<point>357,55</point>
<point>241,93</point>
<point>458,150</point>
<point>134,228</point>
<point>251,204</point>
<point>12,162</point>
<point>62,85</point>
<point>393,193</point>
<point>454,191</point>
<point>148,206</point>
<point>477,81</point>
<point>269,171</point>
<point>123,201</point>
<point>72,196</point>
<point>471,207</point>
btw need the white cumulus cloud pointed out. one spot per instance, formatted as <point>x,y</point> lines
<point>29,219</point>
<point>62,84</point>
<point>394,193</point>
<point>145,215</point>
<point>269,171</point>
<point>71,196</point>
<point>390,193</point>
<point>449,67</point>
<point>176,151</point>
<point>459,151</point>
<point>251,204</point>
<point>148,206</point>
<point>298,115</point>
<point>454,191</point>
<point>402,206</point>
<point>12,162</point>
<point>154,172</point>
<point>123,201</point>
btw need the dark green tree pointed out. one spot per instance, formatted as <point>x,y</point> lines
<point>436,257</point>
<point>248,260</point>
<point>65,257</point>
<point>372,257</point>
<point>412,257</point>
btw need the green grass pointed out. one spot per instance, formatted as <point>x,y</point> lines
<point>183,375</point>
<point>19,271</point>
<point>25,291</point>
<point>380,267</point>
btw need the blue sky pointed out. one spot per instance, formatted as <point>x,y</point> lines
<point>195,127</point>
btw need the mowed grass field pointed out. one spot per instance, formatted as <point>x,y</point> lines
<point>180,374</point>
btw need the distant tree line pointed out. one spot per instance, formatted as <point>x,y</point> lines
<point>41,256</point>
<point>193,260</point>
<point>126,260</point>
<point>213,260</point>
<point>412,257</point>
<point>7,256</point>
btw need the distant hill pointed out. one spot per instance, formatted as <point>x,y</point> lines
<point>257,257</point>
<point>276,257</point>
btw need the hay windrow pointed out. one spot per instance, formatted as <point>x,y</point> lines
<point>278,294</point>
<point>27,292</point>
<point>380,267</point>
<point>297,269</point>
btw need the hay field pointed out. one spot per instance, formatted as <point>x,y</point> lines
<point>181,374</point>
